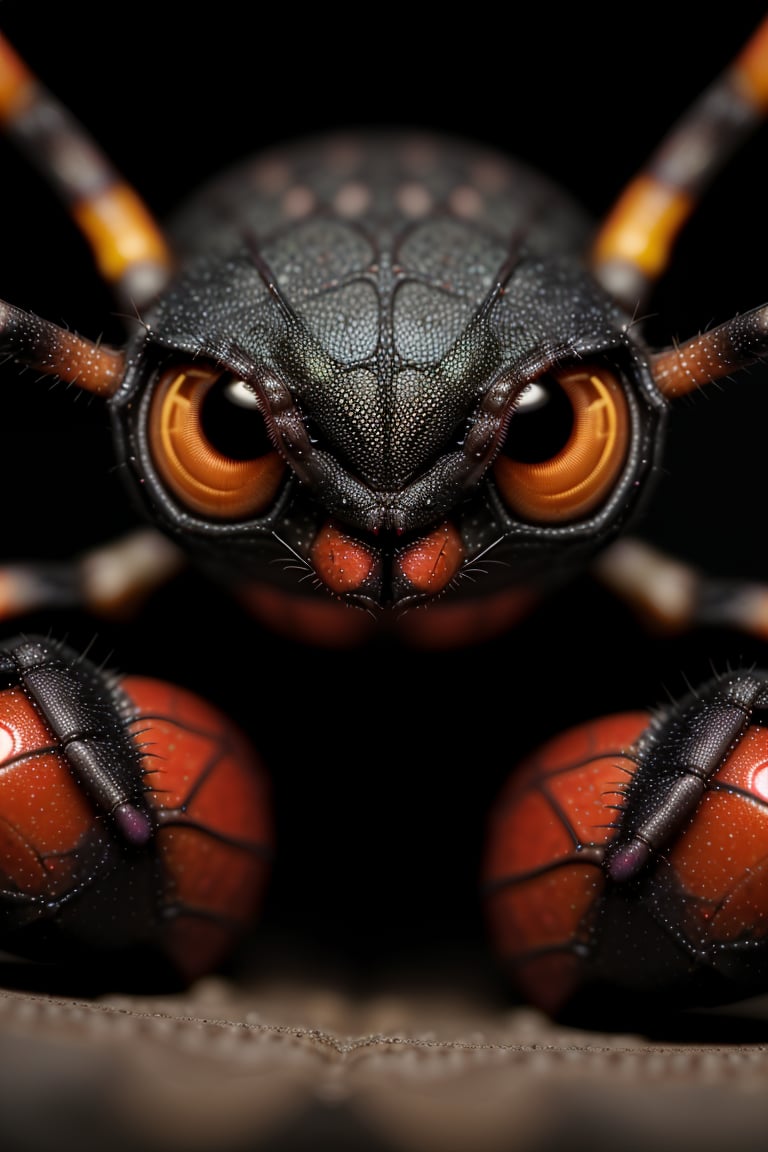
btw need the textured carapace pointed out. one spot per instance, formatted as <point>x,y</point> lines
<point>372,368</point>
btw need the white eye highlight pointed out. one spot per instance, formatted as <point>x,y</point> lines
<point>241,394</point>
<point>534,396</point>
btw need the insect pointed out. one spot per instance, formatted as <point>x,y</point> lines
<point>382,397</point>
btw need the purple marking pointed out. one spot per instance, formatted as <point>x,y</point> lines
<point>133,824</point>
<point>627,862</point>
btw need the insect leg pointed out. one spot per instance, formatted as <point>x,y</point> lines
<point>678,757</point>
<point>111,580</point>
<point>670,595</point>
<point>634,244</point>
<point>128,247</point>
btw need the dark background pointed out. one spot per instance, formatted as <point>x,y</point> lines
<point>385,762</point>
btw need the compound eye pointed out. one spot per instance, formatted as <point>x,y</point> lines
<point>210,443</point>
<point>565,446</point>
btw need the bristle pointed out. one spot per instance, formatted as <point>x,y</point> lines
<point>38,343</point>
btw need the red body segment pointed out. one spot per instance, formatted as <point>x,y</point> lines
<point>543,867</point>
<point>210,798</point>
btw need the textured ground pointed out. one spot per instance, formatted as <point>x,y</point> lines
<point>282,1065</point>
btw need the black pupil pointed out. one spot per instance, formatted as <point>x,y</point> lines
<point>236,430</point>
<point>541,425</point>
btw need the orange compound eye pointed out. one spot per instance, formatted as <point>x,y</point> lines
<point>210,443</point>
<point>565,446</point>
